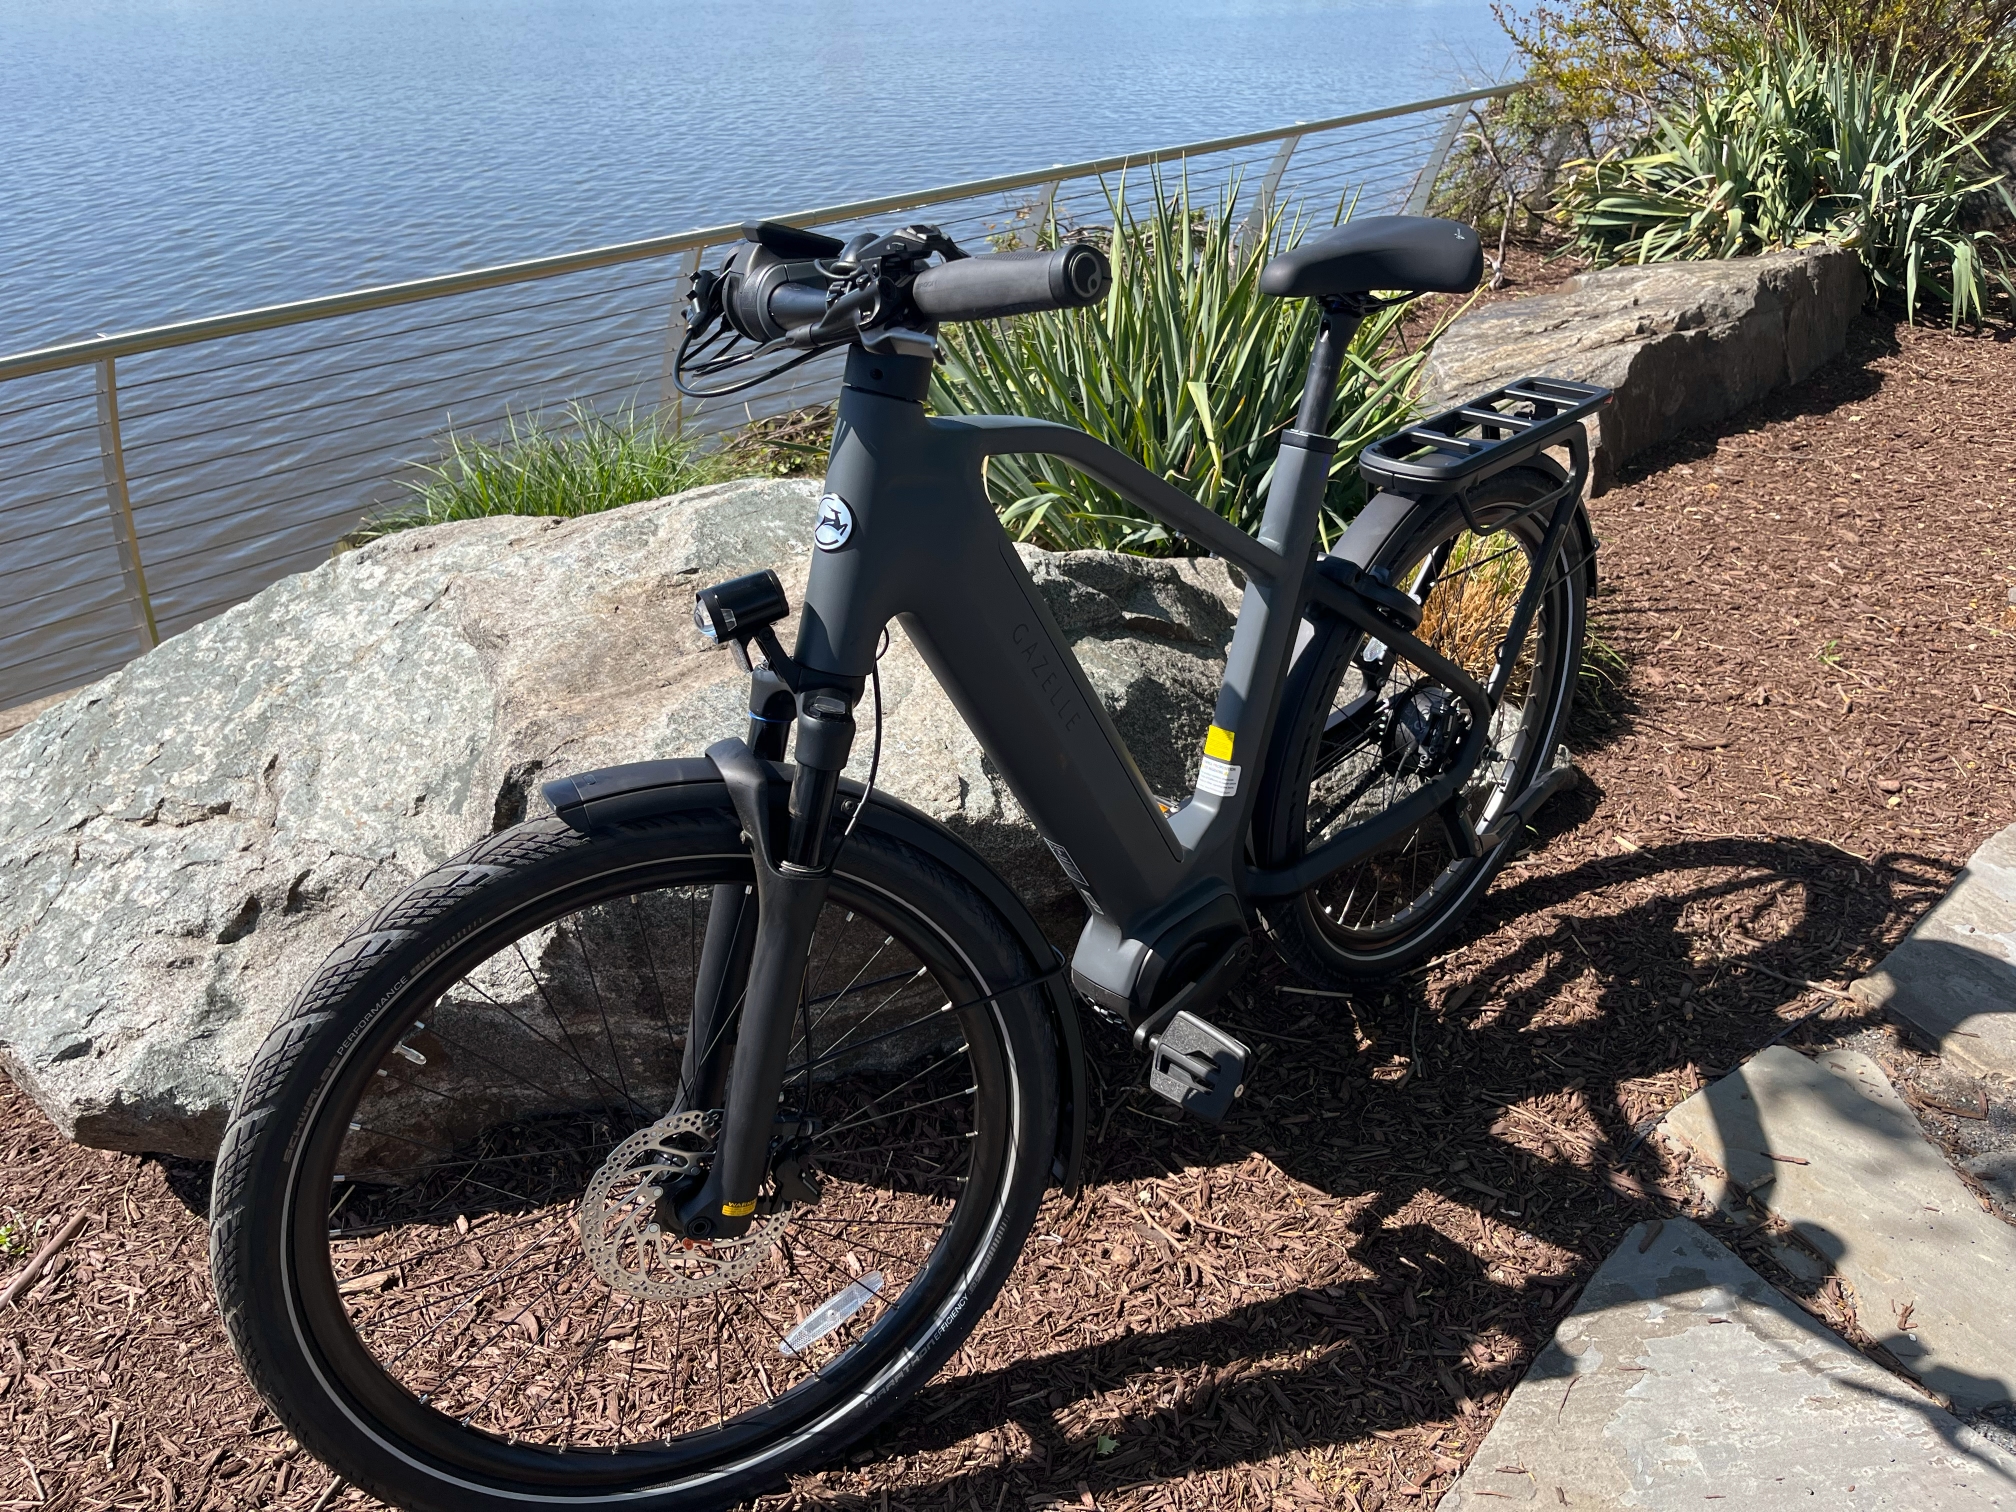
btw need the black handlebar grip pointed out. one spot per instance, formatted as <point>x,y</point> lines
<point>1013,283</point>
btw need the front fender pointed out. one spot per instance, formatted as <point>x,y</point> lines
<point>639,792</point>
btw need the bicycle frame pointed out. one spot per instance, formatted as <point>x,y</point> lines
<point>914,538</point>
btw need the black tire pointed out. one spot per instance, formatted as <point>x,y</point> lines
<point>319,1298</point>
<point>1338,730</point>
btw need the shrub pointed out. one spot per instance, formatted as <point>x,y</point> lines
<point>1615,64</point>
<point>586,464</point>
<point>1807,143</point>
<point>1601,72</point>
<point>789,445</point>
<point>1507,162</point>
<point>1186,367</point>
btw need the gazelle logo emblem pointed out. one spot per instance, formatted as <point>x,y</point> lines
<point>836,523</point>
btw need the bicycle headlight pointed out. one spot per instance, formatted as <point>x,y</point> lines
<point>737,609</point>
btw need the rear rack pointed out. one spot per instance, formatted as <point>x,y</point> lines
<point>1459,448</point>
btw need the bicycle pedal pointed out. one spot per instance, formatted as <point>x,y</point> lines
<point>1198,1066</point>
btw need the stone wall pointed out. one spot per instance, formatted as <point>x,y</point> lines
<point>1683,344</point>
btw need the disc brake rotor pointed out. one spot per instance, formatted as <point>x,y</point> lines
<point>620,1231</point>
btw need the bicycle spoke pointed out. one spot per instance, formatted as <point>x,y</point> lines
<point>568,1050</point>
<point>505,1325</point>
<point>602,1009</point>
<point>651,960</point>
<point>836,1052</point>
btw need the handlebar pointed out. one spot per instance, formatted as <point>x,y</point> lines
<point>1013,283</point>
<point>791,288</point>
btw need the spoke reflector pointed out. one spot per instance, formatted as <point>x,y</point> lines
<point>831,1313</point>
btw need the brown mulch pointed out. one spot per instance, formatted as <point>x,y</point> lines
<point>1808,724</point>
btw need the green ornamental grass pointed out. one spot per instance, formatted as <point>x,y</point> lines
<point>1800,144</point>
<point>584,464</point>
<point>1185,366</point>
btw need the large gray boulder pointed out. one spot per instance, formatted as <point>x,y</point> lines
<point>1683,344</point>
<point>182,842</point>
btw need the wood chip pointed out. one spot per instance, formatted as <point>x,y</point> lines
<point>32,1271</point>
<point>370,1281</point>
<point>1977,1110</point>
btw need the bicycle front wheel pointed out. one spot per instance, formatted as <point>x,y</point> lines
<point>1364,730</point>
<point>434,1235</point>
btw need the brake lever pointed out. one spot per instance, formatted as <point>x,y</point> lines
<point>937,241</point>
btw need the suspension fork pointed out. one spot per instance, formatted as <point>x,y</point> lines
<point>790,891</point>
<point>729,945</point>
<point>722,978</point>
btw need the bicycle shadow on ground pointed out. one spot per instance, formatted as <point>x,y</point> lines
<point>1741,1130</point>
<point>1455,1230</point>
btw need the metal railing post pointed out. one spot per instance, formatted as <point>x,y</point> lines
<point>119,502</point>
<point>1254,227</point>
<point>1431,170</point>
<point>1039,216</point>
<point>669,396</point>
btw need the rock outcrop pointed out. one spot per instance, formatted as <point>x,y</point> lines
<point>1684,344</point>
<point>182,842</point>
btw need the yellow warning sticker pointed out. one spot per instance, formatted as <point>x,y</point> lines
<point>738,1209</point>
<point>1218,743</point>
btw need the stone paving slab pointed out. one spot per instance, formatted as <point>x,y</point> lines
<point>1954,976</point>
<point>1684,1379</point>
<point>1995,1170</point>
<point>1829,1146</point>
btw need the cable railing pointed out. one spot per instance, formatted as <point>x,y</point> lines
<point>153,478</point>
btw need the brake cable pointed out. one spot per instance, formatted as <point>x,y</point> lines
<point>861,265</point>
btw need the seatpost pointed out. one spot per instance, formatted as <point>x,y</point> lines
<point>1341,319</point>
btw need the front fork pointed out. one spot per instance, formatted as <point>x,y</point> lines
<point>763,966</point>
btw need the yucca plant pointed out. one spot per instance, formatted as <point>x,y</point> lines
<point>1803,143</point>
<point>1185,366</point>
<point>585,463</point>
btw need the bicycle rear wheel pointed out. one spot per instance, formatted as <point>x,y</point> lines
<point>433,1234</point>
<point>1363,730</point>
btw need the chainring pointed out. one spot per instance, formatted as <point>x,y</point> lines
<point>618,1218</point>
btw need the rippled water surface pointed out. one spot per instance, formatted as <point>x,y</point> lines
<point>166,160</point>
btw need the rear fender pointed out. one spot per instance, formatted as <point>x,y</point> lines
<point>617,797</point>
<point>1385,521</point>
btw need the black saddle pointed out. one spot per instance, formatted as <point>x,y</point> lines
<point>1411,252</point>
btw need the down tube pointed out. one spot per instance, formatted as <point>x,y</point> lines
<point>926,548</point>
<point>1002,660</point>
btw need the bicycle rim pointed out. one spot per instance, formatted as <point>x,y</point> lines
<point>439,1204</point>
<point>1389,730</point>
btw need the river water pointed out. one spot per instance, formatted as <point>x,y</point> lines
<point>161,159</point>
